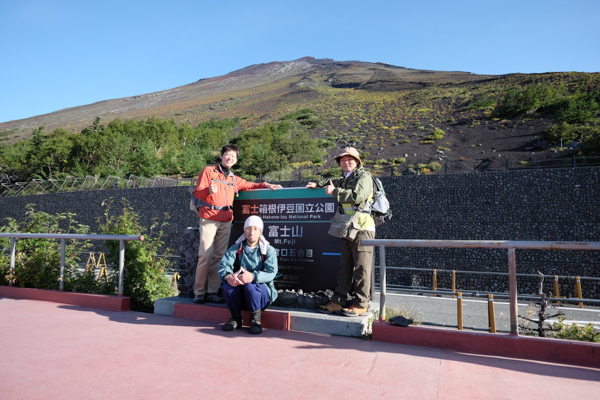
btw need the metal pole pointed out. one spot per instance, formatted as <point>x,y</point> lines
<point>61,285</point>
<point>121,264</point>
<point>382,283</point>
<point>512,288</point>
<point>446,168</point>
<point>434,281</point>
<point>459,312</point>
<point>574,162</point>
<point>507,165</point>
<point>12,261</point>
<point>373,274</point>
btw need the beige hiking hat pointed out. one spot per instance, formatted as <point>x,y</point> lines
<point>349,151</point>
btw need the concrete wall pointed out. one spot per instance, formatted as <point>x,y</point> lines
<point>550,204</point>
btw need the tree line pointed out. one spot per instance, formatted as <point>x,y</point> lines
<point>158,147</point>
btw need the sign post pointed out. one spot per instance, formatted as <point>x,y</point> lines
<point>296,223</point>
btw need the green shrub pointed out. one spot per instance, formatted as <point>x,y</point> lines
<point>381,161</point>
<point>579,108</point>
<point>435,166</point>
<point>585,333</point>
<point>481,103</point>
<point>332,172</point>
<point>37,263</point>
<point>436,134</point>
<point>397,161</point>
<point>519,101</point>
<point>564,131</point>
<point>144,277</point>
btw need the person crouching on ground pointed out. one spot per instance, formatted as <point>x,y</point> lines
<point>247,271</point>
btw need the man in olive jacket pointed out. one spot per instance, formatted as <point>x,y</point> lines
<point>353,190</point>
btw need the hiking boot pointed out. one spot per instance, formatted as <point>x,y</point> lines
<point>214,298</point>
<point>255,324</point>
<point>330,308</point>
<point>354,311</point>
<point>199,299</point>
<point>234,322</point>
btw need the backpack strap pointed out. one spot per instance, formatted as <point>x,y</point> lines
<point>237,265</point>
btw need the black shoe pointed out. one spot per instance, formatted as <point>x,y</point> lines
<point>234,322</point>
<point>199,299</point>
<point>215,298</point>
<point>255,324</point>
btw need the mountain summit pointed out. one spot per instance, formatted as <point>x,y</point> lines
<point>250,90</point>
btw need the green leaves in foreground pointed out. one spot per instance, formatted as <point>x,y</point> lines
<point>38,260</point>
<point>145,277</point>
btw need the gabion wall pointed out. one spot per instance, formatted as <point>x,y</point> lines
<point>548,204</point>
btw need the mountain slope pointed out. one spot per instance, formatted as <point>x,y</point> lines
<point>253,89</point>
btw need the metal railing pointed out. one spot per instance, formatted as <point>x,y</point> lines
<point>510,245</point>
<point>69,236</point>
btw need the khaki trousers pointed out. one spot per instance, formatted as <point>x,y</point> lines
<point>214,241</point>
<point>354,275</point>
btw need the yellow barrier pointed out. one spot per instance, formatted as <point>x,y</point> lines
<point>578,293</point>
<point>91,260</point>
<point>434,281</point>
<point>556,291</point>
<point>102,264</point>
<point>491,314</point>
<point>453,282</point>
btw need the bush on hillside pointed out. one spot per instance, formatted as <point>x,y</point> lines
<point>518,101</point>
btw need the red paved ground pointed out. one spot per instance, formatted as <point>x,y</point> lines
<point>54,351</point>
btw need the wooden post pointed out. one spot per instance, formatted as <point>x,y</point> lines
<point>459,311</point>
<point>453,282</point>
<point>434,281</point>
<point>578,293</point>
<point>491,314</point>
<point>556,291</point>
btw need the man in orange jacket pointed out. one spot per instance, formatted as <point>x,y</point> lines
<point>216,188</point>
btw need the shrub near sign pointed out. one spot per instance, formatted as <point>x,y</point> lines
<point>296,222</point>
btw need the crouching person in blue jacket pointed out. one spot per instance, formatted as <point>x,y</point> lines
<point>247,271</point>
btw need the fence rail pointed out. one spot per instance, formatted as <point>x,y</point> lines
<point>74,184</point>
<point>69,236</point>
<point>510,245</point>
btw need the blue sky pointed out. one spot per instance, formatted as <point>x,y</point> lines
<point>65,53</point>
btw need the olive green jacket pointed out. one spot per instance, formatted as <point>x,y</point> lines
<point>353,192</point>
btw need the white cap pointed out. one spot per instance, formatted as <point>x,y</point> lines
<point>254,220</point>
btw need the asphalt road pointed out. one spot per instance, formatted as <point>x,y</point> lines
<point>443,311</point>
